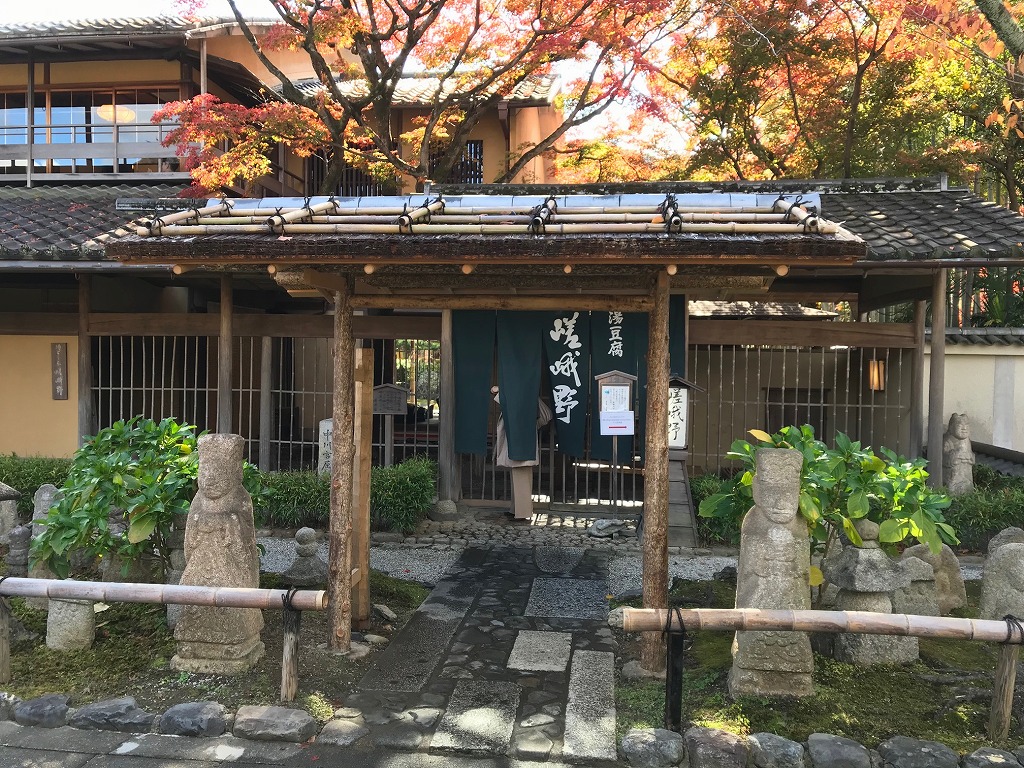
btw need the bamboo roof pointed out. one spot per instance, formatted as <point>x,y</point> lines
<point>629,229</point>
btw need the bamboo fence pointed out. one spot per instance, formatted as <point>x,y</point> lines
<point>851,622</point>
<point>291,603</point>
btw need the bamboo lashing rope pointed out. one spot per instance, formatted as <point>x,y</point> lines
<point>155,226</point>
<point>855,622</point>
<point>220,597</point>
<point>406,220</point>
<point>277,222</point>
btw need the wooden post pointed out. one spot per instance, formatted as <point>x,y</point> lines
<point>448,461</point>
<point>290,619</point>
<point>655,544</point>
<point>917,383</point>
<point>1002,693</point>
<point>266,401</point>
<point>361,487</point>
<point>937,379</point>
<point>339,536</point>
<point>224,358</point>
<point>5,642</point>
<point>86,413</point>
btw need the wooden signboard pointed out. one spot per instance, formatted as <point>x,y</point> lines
<point>390,400</point>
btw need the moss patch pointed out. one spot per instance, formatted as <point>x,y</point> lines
<point>133,650</point>
<point>865,704</point>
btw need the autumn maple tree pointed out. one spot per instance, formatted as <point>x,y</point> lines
<point>476,52</point>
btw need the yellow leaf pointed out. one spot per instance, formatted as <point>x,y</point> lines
<point>758,434</point>
<point>817,578</point>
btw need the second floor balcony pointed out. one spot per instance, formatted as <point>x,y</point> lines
<point>85,136</point>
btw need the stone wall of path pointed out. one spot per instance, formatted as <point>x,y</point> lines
<point>281,730</point>
<point>712,748</point>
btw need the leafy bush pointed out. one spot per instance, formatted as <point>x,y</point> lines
<point>143,468</point>
<point>842,485</point>
<point>996,503</point>
<point>401,495</point>
<point>26,473</point>
<point>294,500</point>
<point>713,530</point>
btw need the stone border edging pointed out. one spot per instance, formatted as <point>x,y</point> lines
<point>200,719</point>
<point>702,747</point>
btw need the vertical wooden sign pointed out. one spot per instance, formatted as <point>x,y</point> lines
<point>59,370</point>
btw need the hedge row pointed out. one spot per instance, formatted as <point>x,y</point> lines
<point>399,496</point>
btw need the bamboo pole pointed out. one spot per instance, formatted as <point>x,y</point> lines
<point>290,619</point>
<point>655,537</point>
<point>278,220</point>
<point>1002,693</point>
<point>155,226</point>
<point>165,594</point>
<point>857,622</point>
<point>339,567</point>
<point>5,641</point>
<point>363,431</point>
<point>406,220</point>
<point>511,210</point>
<point>726,228</point>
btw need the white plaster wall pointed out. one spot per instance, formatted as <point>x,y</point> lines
<point>986,383</point>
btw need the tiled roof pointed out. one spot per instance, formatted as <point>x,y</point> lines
<point>420,90</point>
<point>134,26</point>
<point>757,309</point>
<point>985,337</point>
<point>928,225</point>
<point>650,228</point>
<point>66,223</point>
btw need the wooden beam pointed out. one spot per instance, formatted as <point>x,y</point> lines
<point>266,402</point>
<point>448,461</point>
<point>571,301</point>
<point>937,379</point>
<point>655,538</point>
<point>86,412</point>
<point>917,382</point>
<point>39,323</point>
<point>339,536</point>
<point>225,348</point>
<point>812,333</point>
<point>363,430</point>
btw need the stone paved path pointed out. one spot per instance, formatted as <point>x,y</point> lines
<point>511,655</point>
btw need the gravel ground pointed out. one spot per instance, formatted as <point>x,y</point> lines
<point>427,566</point>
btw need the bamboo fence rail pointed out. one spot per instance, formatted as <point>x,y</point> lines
<point>675,621</point>
<point>292,603</point>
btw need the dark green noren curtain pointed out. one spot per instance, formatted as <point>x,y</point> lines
<point>566,340</point>
<point>519,373</point>
<point>473,342</point>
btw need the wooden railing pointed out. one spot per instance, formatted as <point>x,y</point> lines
<point>291,602</point>
<point>676,622</point>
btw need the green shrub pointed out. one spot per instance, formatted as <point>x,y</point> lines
<point>995,504</point>
<point>840,485</point>
<point>145,468</point>
<point>401,495</point>
<point>26,473</point>
<point>713,530</point>
<point>294,500</point>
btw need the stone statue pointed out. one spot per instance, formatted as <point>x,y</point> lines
<point>1002,587</point>
<point>957,456</point>
<point>772,573</point>
<point>220,551</point>
<point>949,582</point>
<point>307,569</point>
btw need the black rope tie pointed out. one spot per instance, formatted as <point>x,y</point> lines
<point>668,630</point>
<point>1013,624</point>
<point>286,598</point>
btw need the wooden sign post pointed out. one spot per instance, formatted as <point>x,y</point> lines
<point>615,406</point>
<point>390,400</point>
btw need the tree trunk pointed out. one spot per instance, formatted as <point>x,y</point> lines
<point>1005,26</point>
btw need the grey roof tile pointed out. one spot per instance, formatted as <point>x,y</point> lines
<point>58,223</point>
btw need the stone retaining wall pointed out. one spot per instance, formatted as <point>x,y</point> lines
<point>711,748</point>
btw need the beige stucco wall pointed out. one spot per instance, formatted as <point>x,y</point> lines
<point>294,64</point>
<point>35,424</point>
<point>986,383</point>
